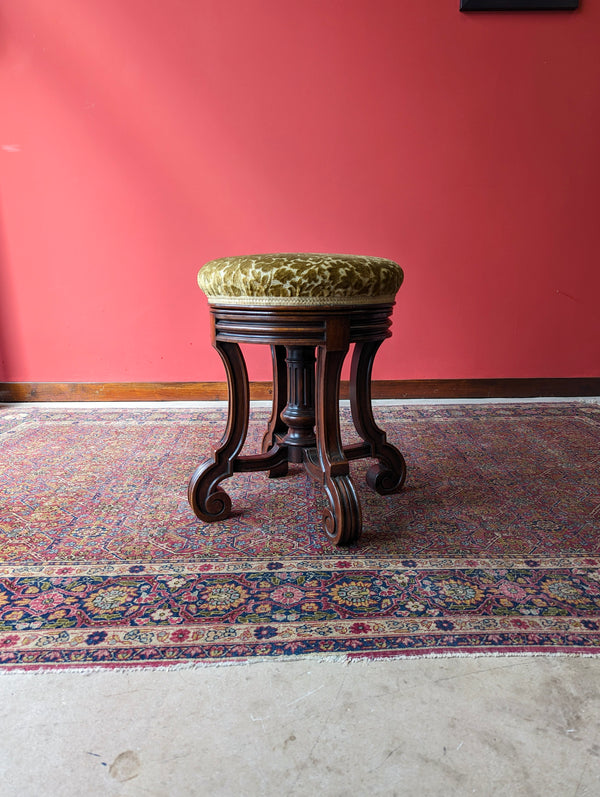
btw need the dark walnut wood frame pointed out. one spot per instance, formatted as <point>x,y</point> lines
<point>304,426</point>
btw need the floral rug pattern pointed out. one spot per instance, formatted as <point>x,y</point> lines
<point>492,546</point>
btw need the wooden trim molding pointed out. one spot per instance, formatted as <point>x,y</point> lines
<point>217,391</point>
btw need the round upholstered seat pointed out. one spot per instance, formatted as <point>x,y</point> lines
<point>300,279</point>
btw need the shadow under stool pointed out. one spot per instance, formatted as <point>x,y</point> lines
<point>308,308</point>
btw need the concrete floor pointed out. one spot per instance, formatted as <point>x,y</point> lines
<point>455,726</point>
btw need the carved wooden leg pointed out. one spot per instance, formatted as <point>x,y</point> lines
<point>299,412</point>
<point>388,476</point>
<point>207,499</point>
<point>343,520</point>
<point>276,424</point>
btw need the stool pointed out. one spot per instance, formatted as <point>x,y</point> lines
<point>299,304</point>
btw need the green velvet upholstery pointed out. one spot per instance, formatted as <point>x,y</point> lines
<point>300,279</point>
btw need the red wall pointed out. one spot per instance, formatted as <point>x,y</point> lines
<point>141,138</point>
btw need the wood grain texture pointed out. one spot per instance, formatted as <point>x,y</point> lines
<point>217,391</point>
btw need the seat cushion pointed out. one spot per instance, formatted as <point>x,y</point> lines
<point>300,279</point>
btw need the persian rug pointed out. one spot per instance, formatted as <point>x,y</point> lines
<point>493,545</point>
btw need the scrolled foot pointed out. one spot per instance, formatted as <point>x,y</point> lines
<point>209,501</point>
<point>342,518</point>
<point>384,480</point>
<point>388,475</point>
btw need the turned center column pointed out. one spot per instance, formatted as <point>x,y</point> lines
<point>299,413</point>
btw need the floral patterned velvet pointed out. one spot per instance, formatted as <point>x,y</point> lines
<point>300,279</point>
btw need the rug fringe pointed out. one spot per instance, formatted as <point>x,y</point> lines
<point>345,659</point>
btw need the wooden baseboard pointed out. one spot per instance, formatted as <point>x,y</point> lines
<point>217,391</point>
